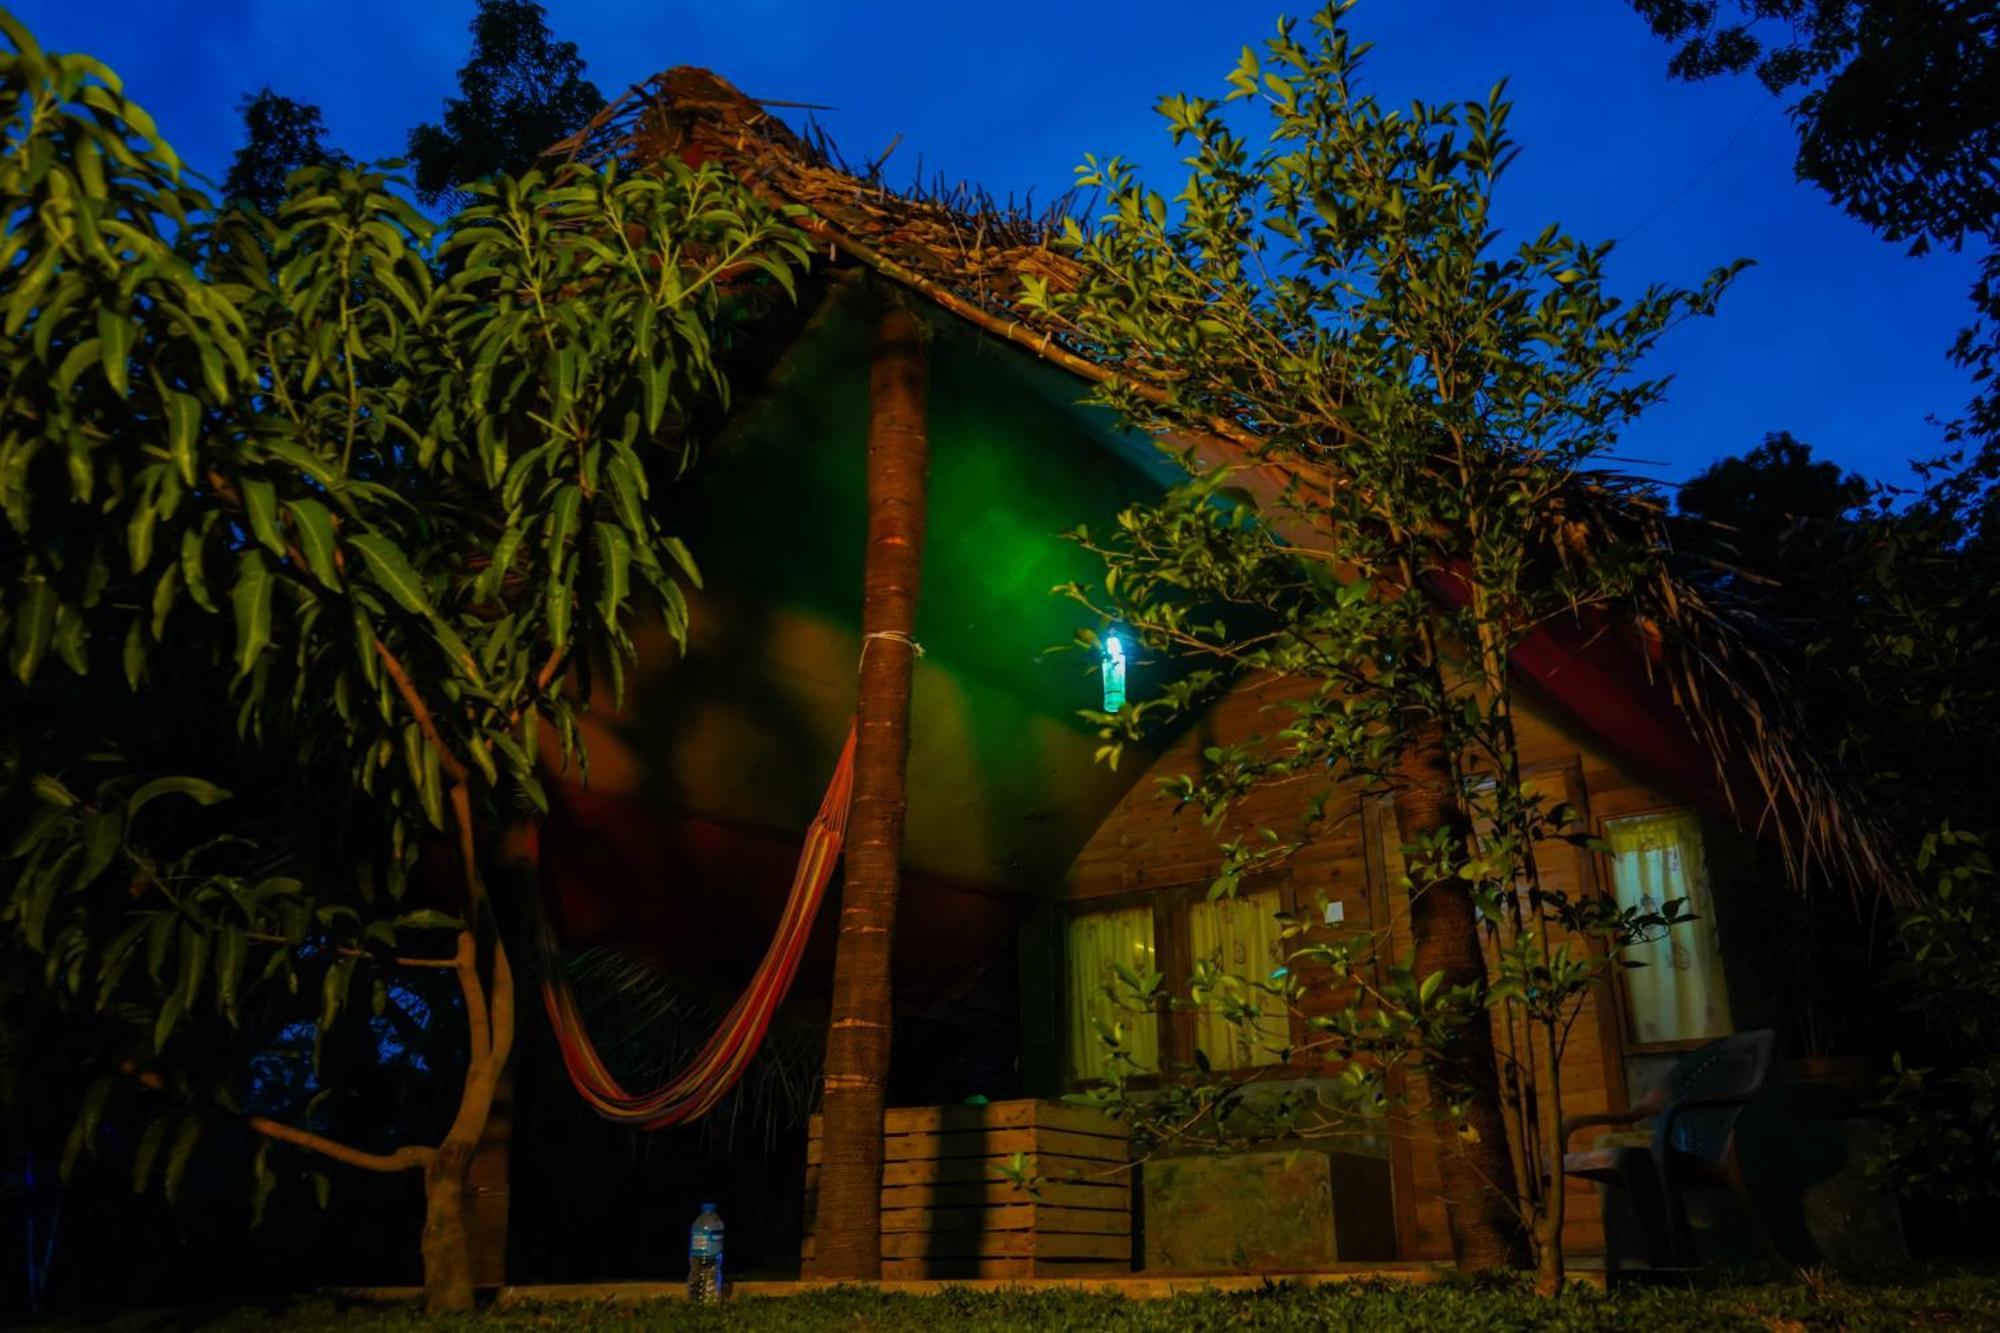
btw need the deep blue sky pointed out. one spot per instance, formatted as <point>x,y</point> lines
<point>1835,336</point>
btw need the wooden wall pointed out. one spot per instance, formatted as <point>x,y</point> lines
<point>1145,846</point>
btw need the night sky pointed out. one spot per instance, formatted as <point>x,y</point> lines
<point>1835,335</point>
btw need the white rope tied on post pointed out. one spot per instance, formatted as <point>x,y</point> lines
<point>895,636</point>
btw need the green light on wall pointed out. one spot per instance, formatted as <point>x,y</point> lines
<point>1114,672</point>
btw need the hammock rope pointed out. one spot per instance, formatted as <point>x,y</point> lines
<point>720,1063</point>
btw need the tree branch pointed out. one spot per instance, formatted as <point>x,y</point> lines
<point>408,1158</point>
<point>414,701</point>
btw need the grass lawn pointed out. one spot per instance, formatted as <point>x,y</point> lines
<point>1933,1299</point>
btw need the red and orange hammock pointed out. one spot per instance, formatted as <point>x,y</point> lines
<point>715,1069</point>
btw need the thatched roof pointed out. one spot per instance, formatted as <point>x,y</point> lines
<point>1690,651</point>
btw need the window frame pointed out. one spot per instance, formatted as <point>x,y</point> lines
<point>1607,878</point>
<point>1173,952</point>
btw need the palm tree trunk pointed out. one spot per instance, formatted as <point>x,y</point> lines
<point>847,1234</point>
<point>1475,1167</point>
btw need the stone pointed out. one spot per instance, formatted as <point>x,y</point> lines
<point>1253,1212</point>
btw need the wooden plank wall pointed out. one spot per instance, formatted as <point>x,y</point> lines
<point>1144,845</point>
<point>948,1209</point>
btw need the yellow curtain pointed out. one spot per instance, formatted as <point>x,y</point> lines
<point>1679,994</point>
<point>1097,940</point>
<point>1240,936</point>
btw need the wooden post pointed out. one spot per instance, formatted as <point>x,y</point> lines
<point>848,1230</point>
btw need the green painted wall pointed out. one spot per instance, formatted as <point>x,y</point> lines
<point>745,725</point>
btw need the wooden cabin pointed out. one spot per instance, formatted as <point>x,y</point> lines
<point>1027,865</point>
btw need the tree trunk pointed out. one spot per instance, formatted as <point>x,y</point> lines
<point>847,1234</point>
<point>1474,1164</point>
<point>1550,1217</point>
<point>487,1180</point>
<point>447,1240</point>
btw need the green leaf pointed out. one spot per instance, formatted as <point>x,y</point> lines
<point>314,524</point>
<point>34,622</point>
<point>186,1134</point>
<point>231,953</point>
<point>251,600</point>
<point>614,551</point>
<point>192,572</point>
<point>260,503</point>
<point>305,461</point>
<point>391,570</point>
<point>73,364</point>
<point>183,424</point>
<point>202,793</point>
<point>682,557</point>
<point>102,833</point>
<point>558,604</point>
<point>50,791</point>
<point>139,533</point>
<point>147,1153</point>
<point>490,579</point>
<point>627,493</point>
<point>194,962</point>
<point>561,525</point>
<point>163,598</point>
<point>427,918</point>
<point>170,1014</point>
<point>135,654</point>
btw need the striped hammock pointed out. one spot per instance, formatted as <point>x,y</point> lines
<point>715,1069</point>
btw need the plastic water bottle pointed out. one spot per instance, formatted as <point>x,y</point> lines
<point>705,1256</point>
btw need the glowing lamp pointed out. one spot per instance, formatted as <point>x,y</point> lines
<point>1114,672</point>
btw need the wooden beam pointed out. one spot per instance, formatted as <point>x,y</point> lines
<point>857,1042</point>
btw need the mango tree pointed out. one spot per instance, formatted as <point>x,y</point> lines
<point>309,523</point>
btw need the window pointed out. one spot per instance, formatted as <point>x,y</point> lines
<point>1241,936</point>
<point>1679,995</point>
<point>1171,931</point>
<point>1098,942</point>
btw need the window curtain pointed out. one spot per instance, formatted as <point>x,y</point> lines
<point>1241,935</point>
<point>1679,994</point>
<point>1097,941</point>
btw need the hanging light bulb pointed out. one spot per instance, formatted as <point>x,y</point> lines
<point>1114,672</point>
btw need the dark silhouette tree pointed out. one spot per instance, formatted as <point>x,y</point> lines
<point>1762,496</point>
<point>1898,111</point>
<point>1898,118</point>
<point>1888,601</point>
<point>521,91</point>
<point>279,137</point>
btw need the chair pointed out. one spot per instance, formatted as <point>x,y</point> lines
<point>1691,1144</point>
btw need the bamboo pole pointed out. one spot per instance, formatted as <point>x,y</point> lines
<point>848,1229</point>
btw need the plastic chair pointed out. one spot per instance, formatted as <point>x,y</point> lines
<point>1692,1143</point>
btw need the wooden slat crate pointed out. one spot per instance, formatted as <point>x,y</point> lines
<point>949,1210</point>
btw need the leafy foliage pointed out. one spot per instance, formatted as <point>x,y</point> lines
<point>1898,116</point>
<point>1943,1118</point>
<point>1893,609</point>
<point>1899,122</point>
<point>1756,499</point>
<point>1420,406</point>
<point>319,509</point>
<point>521,91</point>
<point>280,136</point>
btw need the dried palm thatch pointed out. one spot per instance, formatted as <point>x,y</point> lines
<point>1705,650</point>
